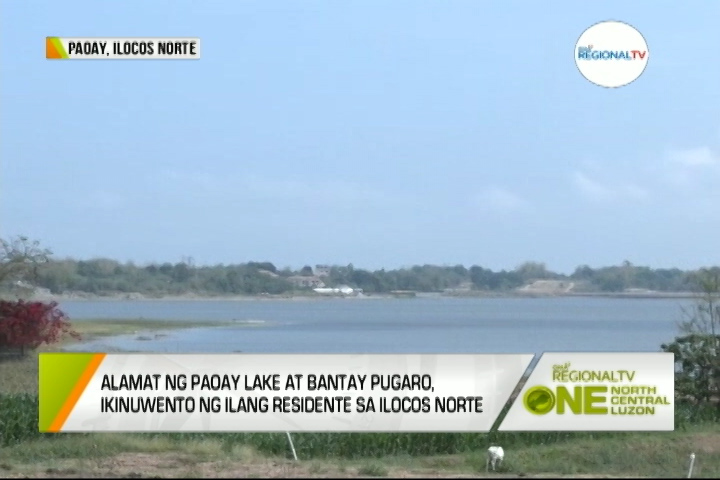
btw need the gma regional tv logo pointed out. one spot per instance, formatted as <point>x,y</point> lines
<point>593,396</point>
<point>601,391</point>
<point>611,54</point>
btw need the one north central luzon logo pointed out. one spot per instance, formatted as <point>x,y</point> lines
<point>589,53</point>
<point>596,392</point>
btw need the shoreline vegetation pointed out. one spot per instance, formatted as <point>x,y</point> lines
<point>31,273</point>
<point>308,296</point>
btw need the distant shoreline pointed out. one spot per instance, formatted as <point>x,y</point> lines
<point>88,297</point>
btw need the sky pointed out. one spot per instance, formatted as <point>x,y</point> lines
<point>379,133</point>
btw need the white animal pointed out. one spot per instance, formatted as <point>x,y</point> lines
<point>494,458</point>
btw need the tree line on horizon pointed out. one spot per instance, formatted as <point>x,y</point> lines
<point>107,276</point>
<point>102,275</point>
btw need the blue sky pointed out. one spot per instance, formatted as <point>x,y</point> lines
<point>378,133</point>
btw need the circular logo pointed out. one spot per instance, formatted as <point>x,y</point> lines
<point>611,54</point>
<point>539,400</point>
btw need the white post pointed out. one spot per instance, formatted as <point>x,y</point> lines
<point>292,447</point>
<point>692,464</point>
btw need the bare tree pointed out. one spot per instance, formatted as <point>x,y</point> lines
<point>704,317</point>
<point>697,350</point>
<point>20,258</point>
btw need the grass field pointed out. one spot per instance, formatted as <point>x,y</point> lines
<point>147,455</point>
<point>26,452</point>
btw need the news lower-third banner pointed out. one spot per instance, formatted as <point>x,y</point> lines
<point>124,48</point>
<point>92,392</point>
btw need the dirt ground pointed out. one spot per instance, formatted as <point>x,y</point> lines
<point>131,465</point>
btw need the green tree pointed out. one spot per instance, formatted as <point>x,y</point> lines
<point>263,266</point>
<point>530,271</point>
<point>181,272</point>
<point>481,277</point>
<point>58,276</point>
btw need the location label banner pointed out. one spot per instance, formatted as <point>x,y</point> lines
<point>84,392</point>
<point>65,48</point>
<point>596,392</point>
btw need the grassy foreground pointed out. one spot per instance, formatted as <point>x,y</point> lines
<point>639,455</point>
<point>26,452</point>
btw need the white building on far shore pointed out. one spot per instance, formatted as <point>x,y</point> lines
<point>339,290</point>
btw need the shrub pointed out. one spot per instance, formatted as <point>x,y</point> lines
<point>28,325</point>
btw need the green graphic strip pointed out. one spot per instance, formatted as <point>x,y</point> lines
<point>58,373</point>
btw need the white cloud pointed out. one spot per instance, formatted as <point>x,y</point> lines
<point>315,192</point>
<point>103,200</point>
<point>195,180</point>
<point>679,183</point>
<point>319,191</point>
<point>695,157</point>
<point>692,170</point>
<point>590,187</point>
<point>498,199</point>
<point>605,191</point>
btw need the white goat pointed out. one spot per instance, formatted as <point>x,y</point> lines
<point>495,457</point>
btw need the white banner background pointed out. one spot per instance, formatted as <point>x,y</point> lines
<point>491,376</point>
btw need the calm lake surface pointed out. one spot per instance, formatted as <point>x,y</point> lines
<point>419,325</point>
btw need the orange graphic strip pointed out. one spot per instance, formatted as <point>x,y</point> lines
<point>50,50</point>
<point>77,391</point>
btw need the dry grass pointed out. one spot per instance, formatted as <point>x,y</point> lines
<point>132,455</point>
<point>92,329</point>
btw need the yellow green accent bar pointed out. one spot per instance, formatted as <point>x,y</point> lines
<point>62,378</point>
<point>54,48</point>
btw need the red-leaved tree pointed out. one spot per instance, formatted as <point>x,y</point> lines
<point>28,325</point>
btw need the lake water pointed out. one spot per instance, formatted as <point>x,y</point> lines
<point>419,325</point>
